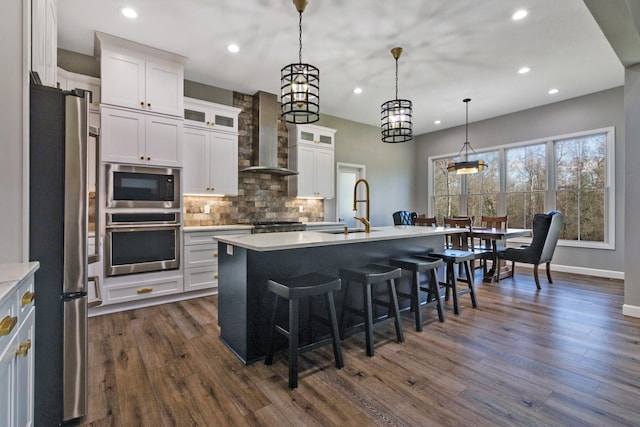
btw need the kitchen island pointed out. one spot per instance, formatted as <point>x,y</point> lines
<point>246,262</point>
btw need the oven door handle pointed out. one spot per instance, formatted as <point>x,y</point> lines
<point>134,227</point>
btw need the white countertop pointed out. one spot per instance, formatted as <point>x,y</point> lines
<point>12,273</point>
<point>302,239</point>
<point>217,227</point>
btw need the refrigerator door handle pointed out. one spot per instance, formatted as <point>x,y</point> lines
<point>75,348</point>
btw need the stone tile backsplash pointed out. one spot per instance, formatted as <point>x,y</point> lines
<point>261,197</point>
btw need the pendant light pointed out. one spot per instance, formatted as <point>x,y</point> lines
<point>396,114</point>
<point>465,166</point>
<point>300,84</point>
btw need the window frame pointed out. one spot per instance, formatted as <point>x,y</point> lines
<point>551,189</point>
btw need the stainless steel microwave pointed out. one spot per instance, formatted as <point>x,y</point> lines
<point>131,186</point>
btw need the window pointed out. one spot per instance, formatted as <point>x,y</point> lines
<point>581,186</point>
<point>570,173</point>
<point>526,183</point>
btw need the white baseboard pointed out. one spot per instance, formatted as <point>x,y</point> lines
<point>608,274</point>
<point>631,310</point>
<point>115,308</point>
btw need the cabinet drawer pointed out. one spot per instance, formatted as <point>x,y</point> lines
<point>201,255</point>
<point>200,278</point>
<point>199,238</point>
<point>8,319</point>
<point>25,298</point>
<point>142,290</point>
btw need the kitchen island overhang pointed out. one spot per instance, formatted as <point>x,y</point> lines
<point>246,262</point>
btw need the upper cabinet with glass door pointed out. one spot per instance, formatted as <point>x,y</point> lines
<point>208,115</point>
<point>312,135</point>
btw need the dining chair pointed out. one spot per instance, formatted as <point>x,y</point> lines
<point>426,221</point>
<point>490,222</point>
<point>546,231</point>
<point>465,241</point>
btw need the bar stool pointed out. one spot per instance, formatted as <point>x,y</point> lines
<point>367,276</point>
<point>293,290</point>
<point>451,257</point>
<point>416,265</point>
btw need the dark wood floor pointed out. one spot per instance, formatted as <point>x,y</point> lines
<point>562,356</point>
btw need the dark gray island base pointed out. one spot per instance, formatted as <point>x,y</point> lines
<point>244,304</point>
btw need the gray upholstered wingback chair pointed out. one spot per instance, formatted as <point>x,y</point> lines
<point>546,230</point>
<point>404,218</point>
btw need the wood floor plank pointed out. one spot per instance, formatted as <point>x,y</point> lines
<point>563,355</point>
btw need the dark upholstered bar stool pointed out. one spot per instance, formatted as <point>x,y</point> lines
<point>417,265</point>
<point>293,290</point>
<point>367,276</point>
<point>451,257</point>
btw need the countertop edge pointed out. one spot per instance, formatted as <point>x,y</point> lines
<point>13,273</point>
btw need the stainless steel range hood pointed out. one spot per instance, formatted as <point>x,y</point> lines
<point>265,136</point>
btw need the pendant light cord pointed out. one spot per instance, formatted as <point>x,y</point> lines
<point>396,78</point>
<point>300,39</point>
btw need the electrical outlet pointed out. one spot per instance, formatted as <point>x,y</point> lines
<point>207,209</point>
<point>300,209</point>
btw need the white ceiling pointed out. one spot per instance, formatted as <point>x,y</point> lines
<point>452,50</point>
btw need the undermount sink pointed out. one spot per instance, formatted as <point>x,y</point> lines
<point>349,231</point>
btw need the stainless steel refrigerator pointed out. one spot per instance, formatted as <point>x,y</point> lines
<point>58,204</point>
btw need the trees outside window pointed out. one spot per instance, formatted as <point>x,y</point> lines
<point>526,183</point>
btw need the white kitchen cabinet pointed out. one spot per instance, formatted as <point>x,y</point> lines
<point>140,77</point>
<point>140,138</point>
<point>44,40</point>
<point>208,115</point>
<point>211,162</point>
<point>312,154</point>
<point>137,289</point>
<point>17,347</point>
<point>201,258</point>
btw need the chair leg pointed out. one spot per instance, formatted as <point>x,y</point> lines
<point>272,324</point>
<point>293,343</point>
<point>415,300</point>
<point>535,276</point>
<point>454,291</point>
<point>549,272</point>
<point>335,334</point>
<point>435,290</point>
<point>447,269</point>
<point>396,310</point>
<point>471,287</point>
<point>343,312</point>
<point>368,318</point>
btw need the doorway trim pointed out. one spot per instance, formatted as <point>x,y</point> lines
<point>340,167</point>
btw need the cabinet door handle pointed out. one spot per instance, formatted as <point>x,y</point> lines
<point>148,158</point>
<point>144,290</point>
<point>28,298</point>
<point>7,324</point>
<point>149,105</point>
<point>142,103</point>
<point>215,254</point>
<point>215,276</point>
<point>23,348</point>
<point>141,157</point>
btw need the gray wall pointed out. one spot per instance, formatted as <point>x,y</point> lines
<point>632,191</point>
<point>389,167</point>
<point>598,110</point>
<point>14,113</point>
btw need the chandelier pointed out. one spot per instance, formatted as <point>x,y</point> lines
<point>300,84</point>
<point>466,166</point>
<point>396,114</point>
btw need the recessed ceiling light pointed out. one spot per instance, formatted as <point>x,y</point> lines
<point>519,14</point>
<point>553,91</point>
<point>129,12</point>
<point>233,48</point>
<point>357,90</point>
<point>524,70</point>
<point>437,122</point>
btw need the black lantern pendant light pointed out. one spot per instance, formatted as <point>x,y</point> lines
<point>465,166</point>
<point>397,114</point>
<point>300,84</point>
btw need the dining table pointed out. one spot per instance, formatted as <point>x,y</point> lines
<point>493,236</point>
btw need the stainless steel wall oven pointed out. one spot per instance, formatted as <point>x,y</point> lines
<point>142,187</point>
<point>142,242</point>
